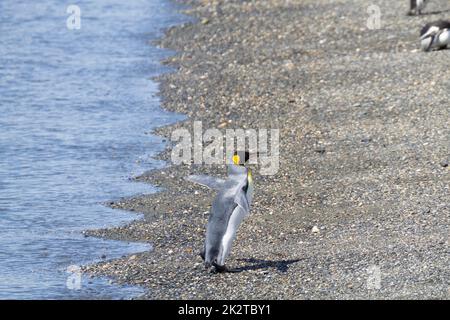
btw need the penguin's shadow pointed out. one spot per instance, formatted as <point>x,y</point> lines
<point>256,264</point>
<point>430,13</point>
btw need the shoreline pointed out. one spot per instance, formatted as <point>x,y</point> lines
<point>358,160</point>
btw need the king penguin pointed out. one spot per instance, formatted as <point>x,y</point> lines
<point>435,35</point>
<point>230,206</point>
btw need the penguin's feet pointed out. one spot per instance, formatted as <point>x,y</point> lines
<point>220,269</point>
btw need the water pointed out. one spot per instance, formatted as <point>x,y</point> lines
<point>75,109</point>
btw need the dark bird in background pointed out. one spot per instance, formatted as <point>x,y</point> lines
<point>416,6</point>
<point>435,35</point>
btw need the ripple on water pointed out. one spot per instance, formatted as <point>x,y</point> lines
<point>75,106</point>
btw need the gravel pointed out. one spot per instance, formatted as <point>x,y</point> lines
<point>359,208</point>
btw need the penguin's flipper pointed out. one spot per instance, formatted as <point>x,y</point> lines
<point>241,200</point>
<point>219,268</point>
<point>206,181</point>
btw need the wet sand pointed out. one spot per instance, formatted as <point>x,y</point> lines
<point>364,132</point>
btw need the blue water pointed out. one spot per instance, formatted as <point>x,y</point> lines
<point>76,106</point>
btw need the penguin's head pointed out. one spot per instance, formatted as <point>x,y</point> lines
<point>427,36</point>
<point>240,158</point>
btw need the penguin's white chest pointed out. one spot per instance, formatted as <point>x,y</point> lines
<point>250,193</point>
<point>234,222</point>
<point>444,38</point>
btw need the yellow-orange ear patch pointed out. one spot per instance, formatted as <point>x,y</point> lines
<point>236,159</point>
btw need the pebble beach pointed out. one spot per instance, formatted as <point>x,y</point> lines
<point>359,208</point>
